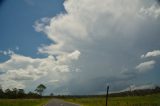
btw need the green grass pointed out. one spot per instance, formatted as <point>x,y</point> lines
<point>23,102</point>
<point>150,100</point>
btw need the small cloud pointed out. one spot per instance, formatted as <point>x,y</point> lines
<point>7,52</point>
<point>154,53</point>
<point>17,48</point>
<point>40,25</point>
<point>10,52</point>
<point>53,81</point>
<point>139,87</point>
<point>4,53</point>
<point>74,55</point>
<point>145,66</point>
<point>77,70</point>
<point>152,11</point>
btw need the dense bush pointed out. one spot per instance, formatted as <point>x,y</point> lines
<point>17,93</point>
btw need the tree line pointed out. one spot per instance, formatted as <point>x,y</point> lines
<point>138,92</point>
<point>38,93</point>
<point>20,93</point>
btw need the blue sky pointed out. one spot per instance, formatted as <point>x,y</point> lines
<point>77,47</point>
<point>17,19</point>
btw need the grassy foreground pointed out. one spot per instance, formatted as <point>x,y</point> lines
<point>23,102</point>
<point>150,100</point>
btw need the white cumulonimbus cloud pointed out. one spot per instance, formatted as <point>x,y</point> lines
<point>98,34</point>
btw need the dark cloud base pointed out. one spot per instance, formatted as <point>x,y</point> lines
<point>158,1</point>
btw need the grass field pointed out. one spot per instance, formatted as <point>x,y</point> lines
<point>150,100</point>
<point>23,102</point>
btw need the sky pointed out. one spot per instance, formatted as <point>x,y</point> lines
<point>78,47</point>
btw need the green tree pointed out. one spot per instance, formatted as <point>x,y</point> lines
<point>21,93</point>
<point>1,92</point>
<point>40,88</point>
<point>14,93</point>
<point>8,93</point>
<point>51,94</point>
